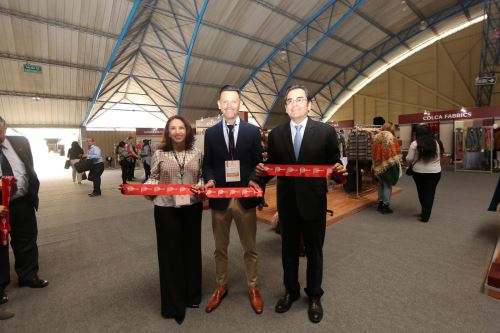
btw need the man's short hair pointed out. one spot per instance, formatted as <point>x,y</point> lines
<point>229,87</point>
<point>378,120</point>
<point>3,123</point>
<point>299,86</point>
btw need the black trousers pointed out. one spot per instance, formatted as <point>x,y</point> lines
<point>23,238</point>
<point>147,170</point>
<point>313,232</point>
<point>178,236</point>
<point>95,174</point>
<point>124,166</point>
<point>426,188</point>
<point>131,169</point>
<point>496,198</point>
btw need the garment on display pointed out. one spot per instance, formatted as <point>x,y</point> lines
<point>359,156</point>
<point>474,147</point>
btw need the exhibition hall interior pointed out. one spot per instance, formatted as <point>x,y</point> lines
<point>249,165</point>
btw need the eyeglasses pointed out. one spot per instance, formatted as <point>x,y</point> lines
<point>297,100</point>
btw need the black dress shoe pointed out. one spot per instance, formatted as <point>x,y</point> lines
<point>315,310</point>
<point>285,303</point>
<point>94,194</point>
<point>193,306</point>
<point>180,319</point>
<point>35,282</point>
<point>3,297</point>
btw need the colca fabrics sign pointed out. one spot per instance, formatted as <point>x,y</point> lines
<point>450,115</point>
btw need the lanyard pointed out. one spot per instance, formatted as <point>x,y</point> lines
<point>181,166</point>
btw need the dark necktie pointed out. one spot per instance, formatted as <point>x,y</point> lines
<point>298,141</point>
<point>231,139</point>
<point>6,168</point>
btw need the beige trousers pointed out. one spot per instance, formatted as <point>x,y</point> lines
<point>246,223</point>
<point>76,176</point>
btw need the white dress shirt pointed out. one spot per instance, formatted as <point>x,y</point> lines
<point>18,168</point>
<point>235,131</point>
<point>292,126</point>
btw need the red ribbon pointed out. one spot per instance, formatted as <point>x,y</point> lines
<point>183,189</point>
<point>302,170</point>
<point>232,192</point>
<point>7,183</point>
<point>298,170</point>
<point>159,189</point>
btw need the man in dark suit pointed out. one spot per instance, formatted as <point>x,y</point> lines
<point>302,201</point>
<point>16,160</point>
<point>232,151</point>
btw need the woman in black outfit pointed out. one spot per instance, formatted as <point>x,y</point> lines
<point>424,154</point>
<point>74,155</point>
<point>178,220</point>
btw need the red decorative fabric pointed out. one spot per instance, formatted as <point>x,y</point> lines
<point>184,189</point>
<point>385,152</point>
<point>7,183</point>
<point>293,170</point>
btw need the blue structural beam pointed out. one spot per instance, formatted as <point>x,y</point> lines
<point>276,51</point>
<point>111,59</point>
<point>311,50</point>
<point>190,51</point>
<point>365,61</point>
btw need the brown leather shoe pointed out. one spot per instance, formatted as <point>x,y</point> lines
<point>256,300</point>
<point>216,298</point>
<point>5,314</point>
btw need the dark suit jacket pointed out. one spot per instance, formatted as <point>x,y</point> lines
<point>248,151</point>
<point>319,147</point>
<point>22,147</point>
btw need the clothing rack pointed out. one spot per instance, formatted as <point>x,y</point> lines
<point>474,143</point>
<point>357,129</point>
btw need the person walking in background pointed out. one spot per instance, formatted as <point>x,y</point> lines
<point>178,219</point>
<point>132,151</point>
<point>124,160</point>
<point>146,158</point>
<point>94,154</point>
<point>16,160</point>
<point>386,165</point>
<point>74,154</point>
<point>424,155</point>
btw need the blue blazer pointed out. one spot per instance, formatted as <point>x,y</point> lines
<point>248,151</point>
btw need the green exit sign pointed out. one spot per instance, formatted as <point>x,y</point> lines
<point>32,68</point>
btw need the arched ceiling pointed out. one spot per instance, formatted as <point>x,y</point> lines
<point>157,58</point>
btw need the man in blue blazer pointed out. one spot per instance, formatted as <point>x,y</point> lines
<point>232,151</point>
<point>16,160</point>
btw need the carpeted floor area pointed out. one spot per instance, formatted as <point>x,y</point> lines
<point>383,273</point>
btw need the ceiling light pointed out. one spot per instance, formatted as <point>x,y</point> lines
<point>423,25</point>
<point>36,98</point>
<point>283,55</point>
